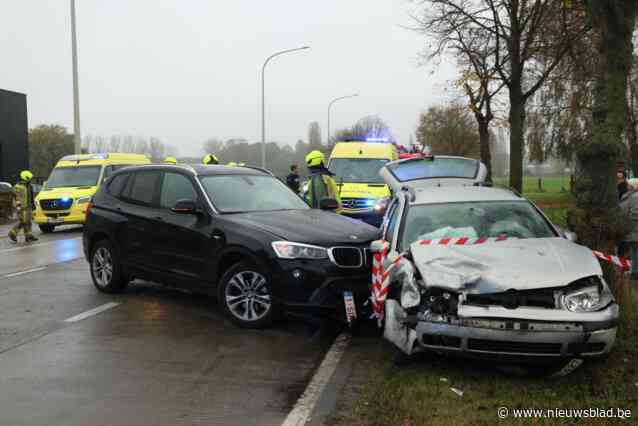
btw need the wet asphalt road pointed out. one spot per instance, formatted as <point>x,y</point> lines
<point>160,357</point>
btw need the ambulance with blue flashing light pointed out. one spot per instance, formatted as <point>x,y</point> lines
<point>74,180</point>
<point>356,166</point>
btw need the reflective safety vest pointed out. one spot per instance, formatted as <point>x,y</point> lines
<point>24,195</point>
<point>322,186</point>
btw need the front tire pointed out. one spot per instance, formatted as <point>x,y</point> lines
<point>106,269</point>
<point>46,229</point>
<point>245,294</point>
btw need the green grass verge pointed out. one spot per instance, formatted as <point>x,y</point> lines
<point>420,394</point>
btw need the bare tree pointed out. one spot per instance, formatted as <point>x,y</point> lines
<point>314,135</point>
<point>115,143</point>
<point>141,146</point>
<point>449,130</point>
<point>213,146</point>
<point>100,145</point>
<point>156,149</point>
<point>515,33</point>
<point>128,145</point>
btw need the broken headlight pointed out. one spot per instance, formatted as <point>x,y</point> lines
<point>587,295</point>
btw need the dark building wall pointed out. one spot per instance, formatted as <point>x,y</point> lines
<point>14,149</point>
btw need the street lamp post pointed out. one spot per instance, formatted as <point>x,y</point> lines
<point>77,136</point>
<point>263,100</point>
<point>330,107</point>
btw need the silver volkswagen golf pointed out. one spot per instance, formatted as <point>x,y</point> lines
<point>481,271</point>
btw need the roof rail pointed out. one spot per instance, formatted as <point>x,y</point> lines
<point>261,169</point>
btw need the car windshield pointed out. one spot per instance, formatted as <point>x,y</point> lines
<point>250,193</point>
<point>439,167</point>
<point>364,170</point>
<point>518,219</point>
<point>67,177</point>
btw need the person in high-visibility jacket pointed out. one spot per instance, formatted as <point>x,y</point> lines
<point>25,204</point>
<point>321,184</point>
<point>170,160</point>
<point>210,159</point>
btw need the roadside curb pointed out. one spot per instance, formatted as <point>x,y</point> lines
<point>327,402</point>
<point>320,396</point>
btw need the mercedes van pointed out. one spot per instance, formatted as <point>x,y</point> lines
<point>356,166</point>
<point>74,180</point>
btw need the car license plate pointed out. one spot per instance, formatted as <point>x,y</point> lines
<point>56,220</point>
<point>351,309</point>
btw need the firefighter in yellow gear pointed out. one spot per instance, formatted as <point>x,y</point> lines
<point>321,184</point>
<point>25,204</point>
<point>210,159</point>
<point>170,160</point>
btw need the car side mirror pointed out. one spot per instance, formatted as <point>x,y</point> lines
<point>328,204</point>
<point>571,236</point>
<point>185,207</point>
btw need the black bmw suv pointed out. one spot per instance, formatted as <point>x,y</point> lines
<point>237,233</point>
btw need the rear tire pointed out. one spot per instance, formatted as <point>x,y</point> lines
<point>245,295</point>
<point>46,229</point>
<point>106,269</point>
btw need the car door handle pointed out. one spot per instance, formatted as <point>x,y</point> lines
<point>159,218</point>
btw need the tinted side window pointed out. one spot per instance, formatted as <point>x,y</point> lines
<point>176,187</point>
<point>109,170</point>
<point>141,187</point>
<point>116,185</point>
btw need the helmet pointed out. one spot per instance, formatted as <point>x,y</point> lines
<point>170,160</point>
<point>26,175</point>
<point>210,159</point>
<point>232,164</point>
<point>315,158</point>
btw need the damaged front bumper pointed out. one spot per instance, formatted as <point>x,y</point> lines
<point>493,333</point>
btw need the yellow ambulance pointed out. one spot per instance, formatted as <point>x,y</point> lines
<point>74,180</point>
<point>356,166</point>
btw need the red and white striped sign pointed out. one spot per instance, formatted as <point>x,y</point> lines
<point>380,282</point>
<point>616,260</point>
<point>464,241</point>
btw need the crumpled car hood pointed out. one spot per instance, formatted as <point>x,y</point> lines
<point>498,266</point>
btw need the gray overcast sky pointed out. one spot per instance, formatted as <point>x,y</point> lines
<point>188,70</point>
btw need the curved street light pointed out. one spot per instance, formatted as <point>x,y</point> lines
<point>354,95</point>
<point>263,99</point>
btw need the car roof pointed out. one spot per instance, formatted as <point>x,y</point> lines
<point>203,170</point>
<point>459,194</point>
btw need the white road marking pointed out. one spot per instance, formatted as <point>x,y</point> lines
<point>91,312</point>
<point>28,271</point>
<point>304,406</point>
<point>30,246</point>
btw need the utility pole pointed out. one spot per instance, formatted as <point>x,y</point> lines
<point>77,134</point>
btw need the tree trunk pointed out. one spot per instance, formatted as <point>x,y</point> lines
<point>517,136</point>
<point>596,218</point>
<point>484,141</point>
